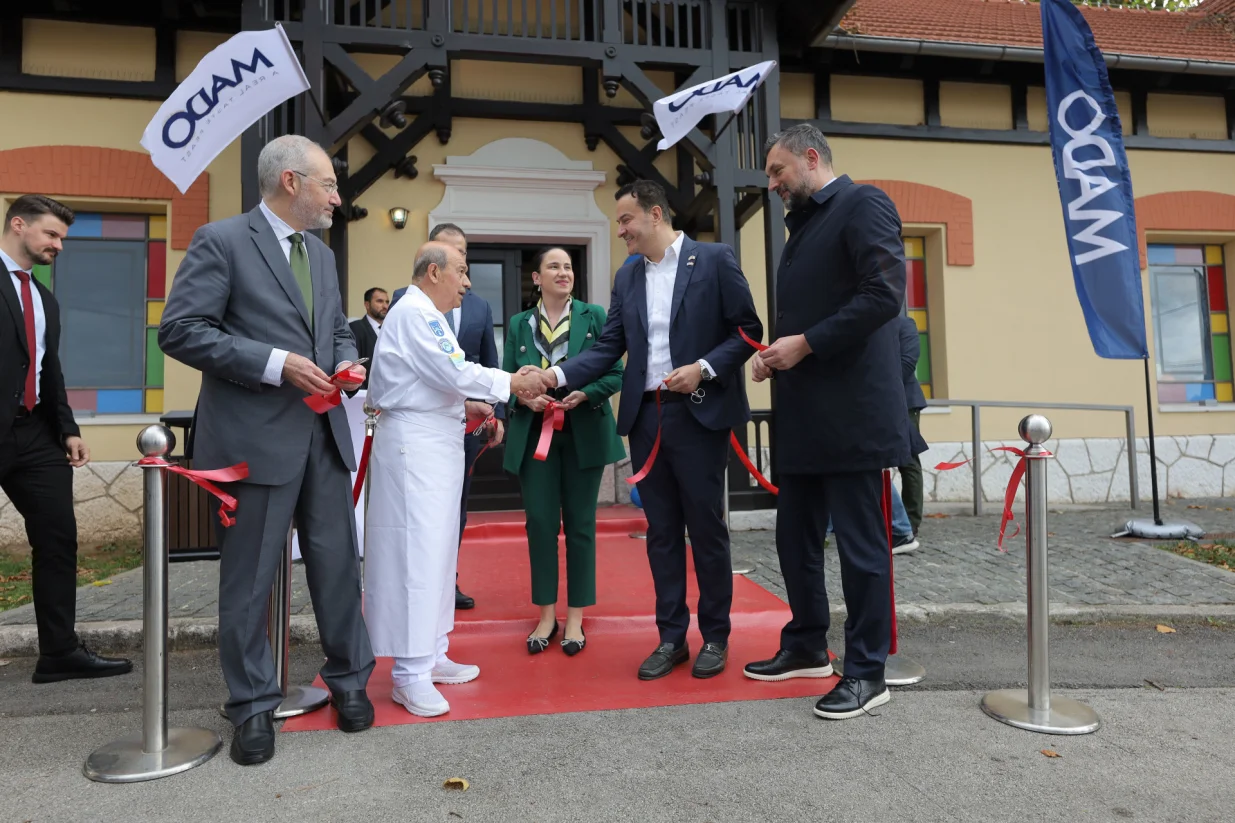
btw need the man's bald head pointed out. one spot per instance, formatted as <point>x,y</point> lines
<point>440,271</point>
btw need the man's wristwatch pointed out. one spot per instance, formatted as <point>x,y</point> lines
<point>704,372</point>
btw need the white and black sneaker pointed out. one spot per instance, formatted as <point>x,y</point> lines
<point>904,545</point>
<point>852,697</point>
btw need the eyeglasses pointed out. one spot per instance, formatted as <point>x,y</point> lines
<point>329,188</point>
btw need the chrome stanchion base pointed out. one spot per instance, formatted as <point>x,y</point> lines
<point>123,761</point>
<point>898,670</point>
<point>301,700</point>
<point>743,569</point>
<point>638,535</point>
<point>1065,716</point>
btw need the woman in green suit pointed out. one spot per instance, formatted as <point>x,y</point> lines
<point>560,490</point>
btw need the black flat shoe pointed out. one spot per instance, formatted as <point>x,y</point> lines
<point>573,647</point>
<point>662,661</point>
<point>81,663</point>
<point>253,741</point>
<point>354,710</point>
<point>536,645</point>
<point>462,601</point>
<point>852,697</point>
<point>711,660</point>
<point>787,665</point>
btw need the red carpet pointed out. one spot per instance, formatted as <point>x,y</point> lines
<point>620,629</point>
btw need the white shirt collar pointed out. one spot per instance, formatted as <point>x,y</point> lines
<point>10,265</point>
<point>376,325</point>
<point>675,249</point>
<point>281,230</point>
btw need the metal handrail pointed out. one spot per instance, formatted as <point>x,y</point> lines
<point>975,407</point>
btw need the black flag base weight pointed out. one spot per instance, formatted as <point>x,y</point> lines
<point>1156,530</point>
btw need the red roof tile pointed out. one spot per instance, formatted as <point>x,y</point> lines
<point>1192,34</point>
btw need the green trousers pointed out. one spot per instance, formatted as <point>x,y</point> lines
<point>558,495</point>
<point>911,480</point>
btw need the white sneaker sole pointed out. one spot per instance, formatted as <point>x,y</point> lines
<point>457,679</point>
<point>877,700</point>
<point>420,711</point>
<point>821,671</point>
<point>911,546</point>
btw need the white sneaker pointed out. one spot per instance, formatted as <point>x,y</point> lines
<point>451,673</point>
<point>906,544</point>
<point>421,699</point>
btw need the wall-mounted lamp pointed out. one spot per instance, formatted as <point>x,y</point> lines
<point>398,216</point>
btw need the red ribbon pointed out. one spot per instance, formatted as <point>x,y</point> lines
<point>203,478</point>
<point>647,467</point>
<point>758,346</point>
<point>362,469</point>
<point>554,418</point>
<point>321,403</point>
<point>1009,497</point>
<point>750,467</point>
<point>474,425</point>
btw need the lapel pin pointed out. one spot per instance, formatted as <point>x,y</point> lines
<point>690,261</point>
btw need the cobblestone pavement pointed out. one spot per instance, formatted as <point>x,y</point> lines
<point>958,564</point>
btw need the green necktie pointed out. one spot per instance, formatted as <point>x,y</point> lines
<point>300,268</point>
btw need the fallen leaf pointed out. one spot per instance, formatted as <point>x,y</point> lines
<point>456,814</point>
<point>1156,686</point>
<point>456,783</point>
<point>1164,629</point>
<point>1051,753</point>
<point>936,516</point>
<point>277,796</point>
<point>101,583</point>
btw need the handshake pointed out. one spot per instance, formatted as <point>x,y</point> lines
<point>530,382</point>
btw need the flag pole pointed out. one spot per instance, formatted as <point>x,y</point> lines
<point>1153,452</point>
<point>320,111</point>
<point>725,126</point>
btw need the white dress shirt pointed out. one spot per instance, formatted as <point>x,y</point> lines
<point>418,365</point>
<point>660,278</point>
<point>40,319</point>
<point>377,327</point>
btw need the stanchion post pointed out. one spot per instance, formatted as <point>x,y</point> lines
<point>156,751</point>
<point>736,569</point>
<point>1034,709</point>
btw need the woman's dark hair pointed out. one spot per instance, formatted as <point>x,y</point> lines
<point>540,256</point>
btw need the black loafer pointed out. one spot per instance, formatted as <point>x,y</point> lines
<point>573,647</point>
<point>462,601</point>
<point>852,697</point>
<point>662,661</point>
<point>81,663</point>
<point>536,645</point>
<point>253,741</point>
<point>354,710</point>
<point>787,665</point>
<point>711,660</point>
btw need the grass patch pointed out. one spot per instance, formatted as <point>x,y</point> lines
<point>96,564</point>
<point>1220,553</point>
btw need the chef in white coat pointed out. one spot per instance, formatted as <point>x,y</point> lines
<point>419,379</point>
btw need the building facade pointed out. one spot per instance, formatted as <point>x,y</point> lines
<point>520,120</point>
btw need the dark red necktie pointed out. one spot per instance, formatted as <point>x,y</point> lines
<point>27,310</point>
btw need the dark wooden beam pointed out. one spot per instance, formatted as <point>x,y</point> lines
<point>930,100</point>
<point>390,155</point>
<point>823,94</point>
<point>1229,100</point>
<point>1140,112</point>
<point>1020,106</point>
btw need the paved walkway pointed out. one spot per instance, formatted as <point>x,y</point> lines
<point>957,566</point>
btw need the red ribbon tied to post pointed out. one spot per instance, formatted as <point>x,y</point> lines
<point>1009,497</point>
<point>321,403</point>
<point>206,479</point>
<point>554,419</point>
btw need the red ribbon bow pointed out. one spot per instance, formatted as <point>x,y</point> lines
<point>321,403</point>
<point>1009,497</point>
<point>554,419</point>
<point>203,478</point>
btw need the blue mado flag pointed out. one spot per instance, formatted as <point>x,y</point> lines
<point>1095,186</point>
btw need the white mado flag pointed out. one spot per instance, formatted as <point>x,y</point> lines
<point>230,89</point>
<point>678,113</point>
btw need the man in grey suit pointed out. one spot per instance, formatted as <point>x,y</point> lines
<point>255,308</point>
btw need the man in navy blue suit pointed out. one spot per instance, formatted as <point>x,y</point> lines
<point>472,324</point>
<point>840,414</point>
<point>675,310</point>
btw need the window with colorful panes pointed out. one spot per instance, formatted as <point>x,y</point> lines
<point>915,305</point>
<point>110,281</point>
<point>1192,337</point>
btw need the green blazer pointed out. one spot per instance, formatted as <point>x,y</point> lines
<point>592,425</point>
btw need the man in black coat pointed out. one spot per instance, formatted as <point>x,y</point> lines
<point>911,472</point>
<point>840,414</point>
<point>40,445</point>
<point>676,310</point>
<point>376,303</point>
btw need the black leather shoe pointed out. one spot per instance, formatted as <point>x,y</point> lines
<point>536,645</point>
<point>462,601</point>
<point>852,697</point>
<point>253,741</point>
<point>573,647</point>
<point>787,665</point>
<point>711,660</point>
<point>662,661</point>
<point>355,711</point>
<point>78,664</point>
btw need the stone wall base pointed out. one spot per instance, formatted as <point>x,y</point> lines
<point>107,498</point>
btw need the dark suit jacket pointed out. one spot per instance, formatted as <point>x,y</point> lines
<point>841,283</point>
<point>591,424</point>
<point>711,301</point>
<point>366,339</point>
<point>475,335</point>
<point>15,359</point>
<point>911,350</point>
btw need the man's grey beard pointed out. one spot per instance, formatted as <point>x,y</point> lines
<point>310,215</point>
<point>799,197</point>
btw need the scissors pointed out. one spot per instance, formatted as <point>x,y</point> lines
<point>696,396</point>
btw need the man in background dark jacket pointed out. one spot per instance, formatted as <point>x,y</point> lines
<point>376,303</point>
<point>911,472</point>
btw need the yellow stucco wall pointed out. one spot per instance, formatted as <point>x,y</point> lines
<point>975,105</point>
